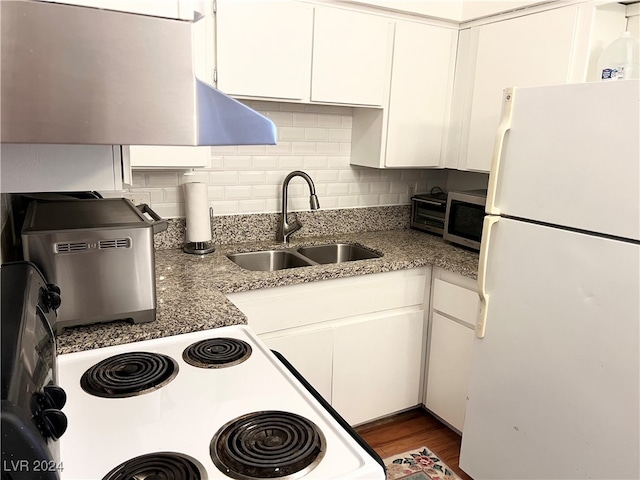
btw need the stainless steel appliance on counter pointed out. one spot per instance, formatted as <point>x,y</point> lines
<point>100,253</point>
<point>427,212</point>
<point>464,217</point>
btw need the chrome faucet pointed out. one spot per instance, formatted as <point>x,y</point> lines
<point>285,229</point>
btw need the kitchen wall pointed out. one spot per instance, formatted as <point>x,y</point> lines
<point>248,179</point>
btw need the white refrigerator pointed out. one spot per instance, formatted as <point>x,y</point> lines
<point>555,378</point>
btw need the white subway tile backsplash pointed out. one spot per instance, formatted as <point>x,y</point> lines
<point>215,193</point>
<point>358,188</point>
<point>291,163</point>
<point>238,162</point>
<point>305,119</point>
<point>161,179</point>
<point>325,176</point>
<point>350,175</point>
<point>223,178</point>
<point>238,192</point>
<point>252,150</point>
<point>266,191</point>
<point>291,133</point>
<point>380,187</point>
<point>172,195</point>
<point>348,201</point>
<point>224,150</point>
<point>368,200</point>
<point>251,178</point>
<point>303,148</point>
<point>225,207</point>
<point>389,199</point>
<point>330,120</point>
<point>217,163</point>
<point>265,163</point>
<point>138,179</point>
<point>337,189</point>
<point>328,148</point>
<point>340,135</point>
<point>313,138</point>
<point>282,148</point>
<point>315,162</point>
<point>281,119</point>
<point>251,206</point>
<point>316,134</point>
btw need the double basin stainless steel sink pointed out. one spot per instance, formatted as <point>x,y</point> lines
<point>271,260</point>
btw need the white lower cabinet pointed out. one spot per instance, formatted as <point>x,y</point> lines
<point>377,365</point>
<point>454,306</point>
<point>359,340</point>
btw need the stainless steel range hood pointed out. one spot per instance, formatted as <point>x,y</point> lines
<point>78,75</point>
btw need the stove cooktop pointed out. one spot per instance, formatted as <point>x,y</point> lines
<point>192,409</point>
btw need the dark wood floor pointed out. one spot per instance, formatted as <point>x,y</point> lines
<point>416,428</point>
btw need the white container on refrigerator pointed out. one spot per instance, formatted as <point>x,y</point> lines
<point>555,381</point>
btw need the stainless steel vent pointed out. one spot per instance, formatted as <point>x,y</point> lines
<point>119,243</point>
<point>69,247</point>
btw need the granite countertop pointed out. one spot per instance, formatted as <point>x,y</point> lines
<point>191,289</point>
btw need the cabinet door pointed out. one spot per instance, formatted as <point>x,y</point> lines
<point>264,48</point>
<point>166,157</point>
<point>450,346</point>
<point>351,57</point>
<point>376,369</point>
<point>512,53</point>
<point>420,93</point>
<point>311,353</point>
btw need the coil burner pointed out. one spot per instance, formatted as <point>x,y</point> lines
<point>217,353</point>
<point>267,444</point>
<point>129,374</point>
<point>161,466</point>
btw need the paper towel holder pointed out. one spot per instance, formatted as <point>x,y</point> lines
<point>199,248</point>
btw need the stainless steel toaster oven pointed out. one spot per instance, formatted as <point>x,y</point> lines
<point>100,253</point>
<point>428,211</point>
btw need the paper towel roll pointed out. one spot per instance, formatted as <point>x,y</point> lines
<point>196,205</point>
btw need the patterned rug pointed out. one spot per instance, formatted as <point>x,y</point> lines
<point>421,464</point>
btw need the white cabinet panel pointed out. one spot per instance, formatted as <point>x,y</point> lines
<point>311,352</point>
<point>351,57</point>
<point>264,48</point>
<point>376,366</point>
<point>164,157</point>
<point>61,168</point>
<point>514,53</point>
<point>450,347</point>
<point>420,94</point>
<point>455,301</point>
<point>411,130</point>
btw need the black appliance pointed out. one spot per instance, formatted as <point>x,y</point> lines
<point>31,417</point>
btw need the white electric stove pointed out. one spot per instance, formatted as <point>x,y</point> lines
<point>229,408</point>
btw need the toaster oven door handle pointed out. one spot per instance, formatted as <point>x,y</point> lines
<point>430,202</point>
<point>159,224</point>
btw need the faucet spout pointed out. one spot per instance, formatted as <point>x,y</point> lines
<point>285,228</point>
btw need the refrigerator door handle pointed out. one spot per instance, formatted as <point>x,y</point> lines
<point>487,227</point>
<point>508,95</point>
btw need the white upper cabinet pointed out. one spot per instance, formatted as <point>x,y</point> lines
<point>288,50</point>
<point>412,128</point>
<point>264,48</point>
<point>351,54</point>
<point>546,48</point>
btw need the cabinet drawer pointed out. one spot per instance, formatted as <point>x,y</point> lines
<point>455,301</point>
<point>279,308</point>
